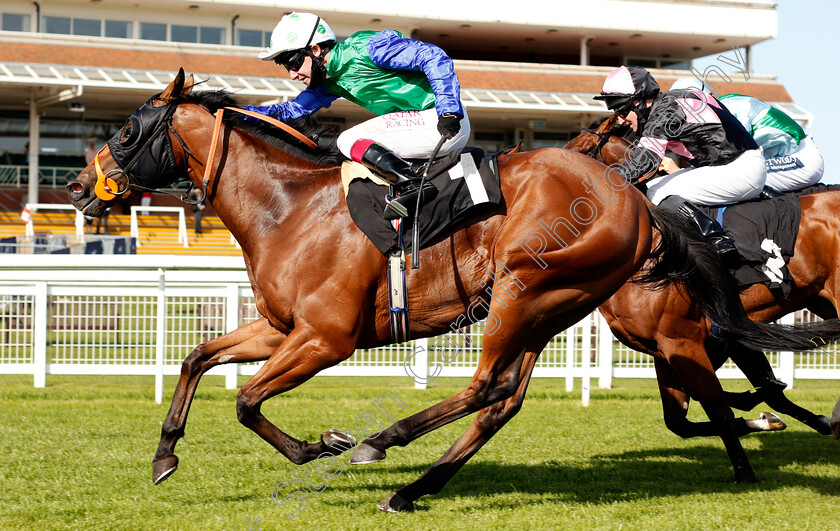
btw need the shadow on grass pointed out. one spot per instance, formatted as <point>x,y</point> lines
<point>634,475</point>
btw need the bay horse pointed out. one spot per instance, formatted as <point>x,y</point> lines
<point>670,325</point>
<point>284,205</point>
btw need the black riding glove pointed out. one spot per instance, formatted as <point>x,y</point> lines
<point>449,124</point>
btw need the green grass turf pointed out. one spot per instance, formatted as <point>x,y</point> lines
<point>78,453</point>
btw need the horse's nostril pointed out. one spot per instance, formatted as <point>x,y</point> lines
<point>75,188</point>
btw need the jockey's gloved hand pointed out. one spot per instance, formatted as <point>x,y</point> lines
<point>449,124</point>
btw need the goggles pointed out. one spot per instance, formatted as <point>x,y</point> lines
<point>292,61</point>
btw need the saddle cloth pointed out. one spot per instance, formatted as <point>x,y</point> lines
<point>765,234</point>
<point>467,183</point>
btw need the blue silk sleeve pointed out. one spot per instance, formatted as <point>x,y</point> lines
<point>388,50</point>
<point>306,103</point>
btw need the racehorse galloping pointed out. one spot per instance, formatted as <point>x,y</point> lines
<point>671,326</point>
<point>321,289</point>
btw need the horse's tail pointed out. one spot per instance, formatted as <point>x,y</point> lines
<point>685,256</point>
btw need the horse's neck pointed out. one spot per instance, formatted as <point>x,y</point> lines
<point>256,188</point>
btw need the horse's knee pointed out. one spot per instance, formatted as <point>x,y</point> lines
<point>193,362</point>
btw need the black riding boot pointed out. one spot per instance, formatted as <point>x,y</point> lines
<point>399,174</point>
<point>712,230</point>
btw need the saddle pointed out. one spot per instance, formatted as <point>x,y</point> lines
<point>765,231</point>
<point>468,185</point>
<point>467,181</point>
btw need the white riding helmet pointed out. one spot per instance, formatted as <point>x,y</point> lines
<point>691,83</point>
<point>296,31</point>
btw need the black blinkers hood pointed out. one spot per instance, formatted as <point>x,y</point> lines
<point>146,157</point>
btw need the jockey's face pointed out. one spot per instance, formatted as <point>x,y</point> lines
<point>304,73</point>
<point>632,119</point>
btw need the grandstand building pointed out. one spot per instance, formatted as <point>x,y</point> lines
<point>72,71</point>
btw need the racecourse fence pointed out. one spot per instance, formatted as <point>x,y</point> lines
<point>142,315</point>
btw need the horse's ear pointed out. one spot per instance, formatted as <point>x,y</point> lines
<point>188,85</point>
<point>173,90</point>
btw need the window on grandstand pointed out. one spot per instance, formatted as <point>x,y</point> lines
<point>209,35</point>
<point>15,22</point>
<point>184,33</point>
<point>57,25</point>
<point>246,37</point>
<point>119,29</point>
<point>151,31</point>
<point>87,26</point>
<point>674,64</point>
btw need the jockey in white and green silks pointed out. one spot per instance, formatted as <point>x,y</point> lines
<point>410,85</point>
<point>792,158</point>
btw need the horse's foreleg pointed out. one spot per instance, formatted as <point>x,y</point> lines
<point>675,403</point>
<point>253,342</point>
<point>303,355</point>
<point>693,368</point>
<point>486,424</point>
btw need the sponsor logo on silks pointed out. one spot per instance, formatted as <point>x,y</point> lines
<point>782,164</point>
<point>321,29</point>
<point>294,16</point>
<point>291,37</point>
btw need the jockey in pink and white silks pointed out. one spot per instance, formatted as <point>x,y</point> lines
<point>410,85</point>
<point>726,164</point>
<point>791,157</point>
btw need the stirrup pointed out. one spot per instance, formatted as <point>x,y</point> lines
<point>769,193</point>
<point>404,204</point>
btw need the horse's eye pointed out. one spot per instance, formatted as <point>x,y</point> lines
<point>130,133</point>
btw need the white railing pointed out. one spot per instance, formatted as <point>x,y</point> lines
<point>143,314</point>
<point>52,176</point>
<point>35,207</point>
<point>144,210</point>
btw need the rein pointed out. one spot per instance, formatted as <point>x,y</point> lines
<point>107,189</point>
<point>595,152</point>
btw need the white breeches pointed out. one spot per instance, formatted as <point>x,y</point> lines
<point>740,180</point>
<point>802,168</point>
<point>409,134</point>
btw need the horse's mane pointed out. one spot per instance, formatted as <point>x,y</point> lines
<point>213,100</point>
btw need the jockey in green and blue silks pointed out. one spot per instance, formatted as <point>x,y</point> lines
<point>791,157</point>
<point>410,85</point>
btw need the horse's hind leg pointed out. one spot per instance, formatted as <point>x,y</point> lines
<point>253,342</point>
<point>486,424</point>
<point>693,368</point>
<point>758,371</point>
<point>675,403</point>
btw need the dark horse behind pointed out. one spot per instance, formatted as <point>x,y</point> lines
<point>555,250</point>
<point>670,328</point>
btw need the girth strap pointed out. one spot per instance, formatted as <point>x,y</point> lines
<point>398,298</point>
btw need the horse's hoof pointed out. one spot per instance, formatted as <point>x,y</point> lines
<point>774,423</point>
<point>337,440</point>
<point>365,454</point>
<point>163,468</point>
<point>395,504</point>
